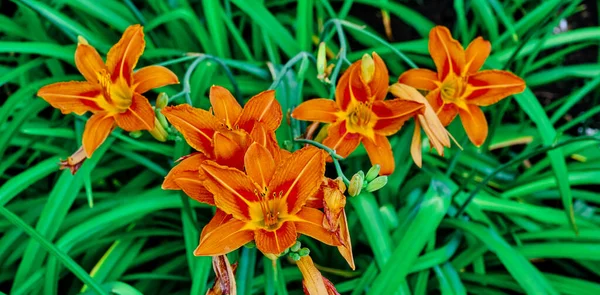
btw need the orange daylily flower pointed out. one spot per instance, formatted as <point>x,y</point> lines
<point>428,120</point>
<point>360,113</point>
<point>222,137</point>
<point>314,283</point>
<point>459,87</point>
<point>265,204</point>
<point>112,91</point>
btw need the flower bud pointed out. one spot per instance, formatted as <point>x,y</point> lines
<point>356,184</point>
<point>135,134</point>
<point>295,256</point>
<point>373,172</point>
<point>81,40</point>
<point>367,68</point>
<point>303,252</point>
<point>377,183</point>
<point>321,60</point>
<point>162,100</point>
<point>159,131</point>
<point>296,247</point>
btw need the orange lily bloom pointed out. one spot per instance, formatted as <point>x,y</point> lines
<point>459,87</point>
<point>222,137</point>
<point>360,113</point>
<point>265,204</point>
<point>112,91</point>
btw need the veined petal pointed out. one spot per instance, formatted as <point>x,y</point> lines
<point>275,242</point>
<point>233,190</point>
<point>72,97</point>
<point>476,54</point>
<point>262,107</point>
<point>299,177</point>
<point>224,105</point>
<point>228,152</point>
<point>186,176</point>
<point>139,115</point>
<point>491,86</point>
<point>265,137</point>
<point>259,164</point>
<point>420,78</point>
<point>359,90</point>
<point>318,109</point>
<point>416,145</point>
<point>123,56</point>
<point>446,52</point>
<point>445,112</point>
<point>197,126</point>
<point>475,124</point>
<point>225,238</point>
<point>151,77</point>
<point>380,152</point>
<point>381,79</point>
<point>97,129</point>
<point>190,162</point>
<point>342,90</point>
<point>88,62</point>
<point>309,222</point>
<point>313,280</point>
<point>393,113</point>
<point>340,140</point>
<point>219,219</point>
<point>344,235</point>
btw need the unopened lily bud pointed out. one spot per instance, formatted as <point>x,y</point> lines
<point>373,172</point>
<point>321,60</point>
<point>159,131</point>
<point>303,252</point>
<point>162,100</point>
<point>367,67</point>
<point>377,183</point>
<point>162,120</point>
<point>296,247</point>
<point>356,184</point>
<point>81,40</point>
<point>135,134</point>
<point>295,256</point>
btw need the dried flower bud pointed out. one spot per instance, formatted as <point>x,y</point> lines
<point>377,183</point>
<point>334,202</point>
<point>373,172</point>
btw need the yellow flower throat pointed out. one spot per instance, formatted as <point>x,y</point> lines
<point>117,95</point>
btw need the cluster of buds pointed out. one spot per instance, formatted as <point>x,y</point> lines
<point>371,181</point>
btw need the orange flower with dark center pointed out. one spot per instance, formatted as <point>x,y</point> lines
<point>112,91</point>
<point>266,203</point>
<point>459,87</point>
<point>360,113</point>
<point>222,137</point>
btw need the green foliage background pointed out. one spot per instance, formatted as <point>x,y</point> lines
<point>531,187</point>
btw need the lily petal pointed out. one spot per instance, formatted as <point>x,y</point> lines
<point>342,90</point>
<point>299,177</point>
<point>259,164</point>
<point>97,129</point>
<point>227,151</point>
<point>218,219</point>
<point>380,152</point>
<point>186,176</point>
<point>72,97</point>
<point>224,238</point>
<point>262,107</point>
<point>416,145</point>
<point>265,137</point>
<point>445,112</point>
<point>446,52</point>
<point>340,140</point>
<point>275,242</point>
<point>319,109</point>
<point>123,56</point>
<point>422,79</point>
<point>476,54</point>
<point>233,190</point>
<point>359,90</point>
<point>309,222</point>
<point>197,126</point>
<point>475,124</point>
<point>346,248</point>
<point>393,113</point>
<point>381,78</point>
<point>313,281</point>
<point>151,77</point>
<point>491,86</point>
<point>224,105</point>
<point>139,115</point>
<point>88,62</point>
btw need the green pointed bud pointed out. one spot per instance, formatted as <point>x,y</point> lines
<point>373,172</point>
<point>159,132</point>
<point>356,184</point>
<point>295,256</point>
<point>135,134</point>
<point>303,252</point>
<point>377,183</point>
<point>286,251</point>
<point>367,68</point>
<point>250,245</point>
<point>162,100</point>
<point>288,145</point>
<point>296,247</point>
<point>321,60</point>
<point>162,120</point>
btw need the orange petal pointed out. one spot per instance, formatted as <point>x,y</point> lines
<point>275,242</point>
<point>476,54</point>
<point>219,219</point>
<point>262,107</point>
<point>224,105</point>
<point>123,56</point>
<point>197,126</point>
<point>265,137</point>
<point>420,78</point>
<point>259,164</point>
<point>380,152</point>
<point>359,90</point>
<point>225,238</point>
<point>491,86</point>
<point>88,62</point>
<point>97,129</point>
<point>139,115</point>
<point>309,221</point>
<point>447,53</point>
<point>190,162</point>
<point>186,176</point>
<point>391,114</point>
<point>151,77</point>
<point>313,282</point>
<point>299,177</point>
<point>445,112</point>
<point>72,97</point>
<point>416,145</point>
<point>319,110</point>
<point>340,140</point>
<point>475,124</point>
<point>233,190</point>
<point>381,78</point>
<point>346,248</point>
<point>227,151</point>
<point>342,90</point>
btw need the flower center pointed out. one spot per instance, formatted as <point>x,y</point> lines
<point>452,89</point>
<point>117,95</point>
<point>269,205</point>
<point>360,115</point>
